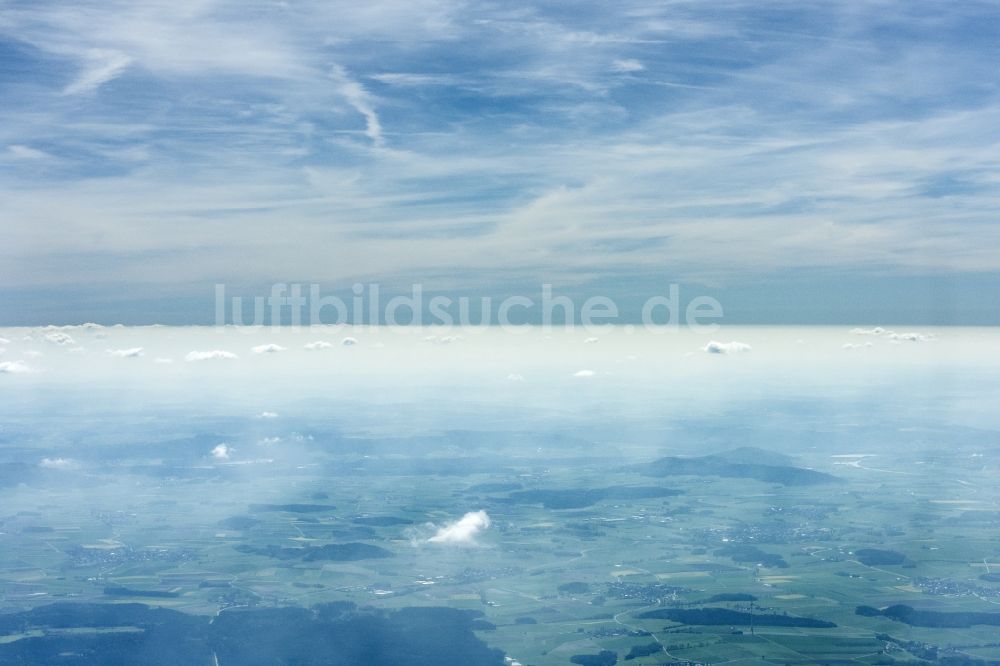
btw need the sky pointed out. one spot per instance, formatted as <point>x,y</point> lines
<point>803,162</point>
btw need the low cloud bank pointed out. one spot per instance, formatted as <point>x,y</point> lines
<point>909,337</point>
<point>893,336</point>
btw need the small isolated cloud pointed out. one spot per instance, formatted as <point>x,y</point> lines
<point>627,65</point>
<point>318,345</point>
<point>462,532</point>
<point>851,345</point>
<point>58,338</point>
<point>591,341</point>
<point>221,452</point>
<point>267,349</point>
<point>13,368</point>
<point>134,352</point>
<point>267,415</point>
<point>583,373</point>
<point>57,463</point>
<point>4,341</point>
<point>714,347</point>
<point>443,339</point>
<point>209,355</point>
<point>878,330</point>
<point>348,342</point>
<point>269,441</point>
<point>514,377</point>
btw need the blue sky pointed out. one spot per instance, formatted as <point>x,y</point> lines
<point>773,153</point>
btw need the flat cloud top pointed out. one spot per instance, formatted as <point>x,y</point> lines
<point>210,355</point>
<point>734,347</point>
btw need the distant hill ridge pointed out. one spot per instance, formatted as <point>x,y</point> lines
<point>741,463</point>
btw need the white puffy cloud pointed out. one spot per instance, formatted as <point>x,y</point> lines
<point>591,341</point>
<point>851,345</point>
<point>134,352</point>
<point>221,452</point>
<point>583,373</point>
<point>348,341</point>
<point>4,341</point>
<point>59,338</point>
<point>209,355</point>
<point>318,345</point>
<point>13,368</point>
<point>267,415</point>
<point>464,530</point>
<point>514,377</point>
<point>734,347</point>
<point>267,349</point>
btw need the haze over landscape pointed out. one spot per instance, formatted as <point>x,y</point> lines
<point>461,333</point>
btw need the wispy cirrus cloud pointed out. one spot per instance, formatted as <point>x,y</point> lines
<point>102,65</point>
<point>441,138</point>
